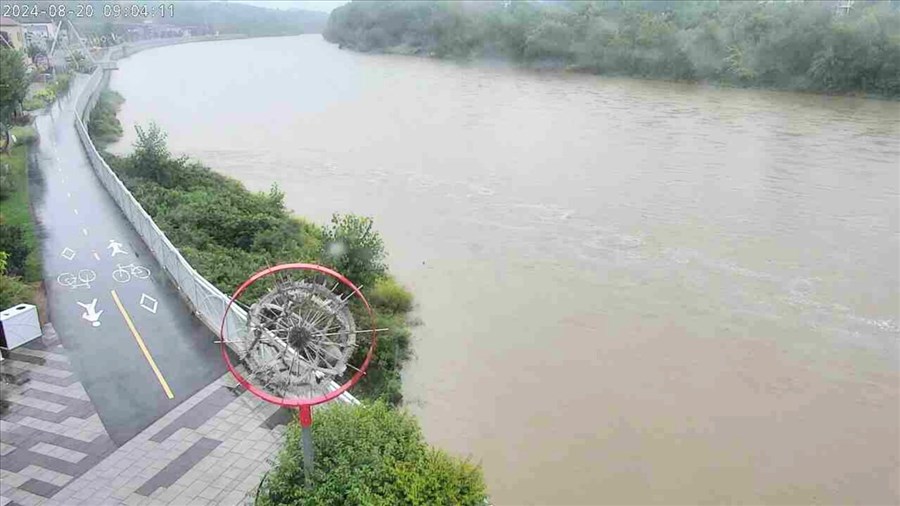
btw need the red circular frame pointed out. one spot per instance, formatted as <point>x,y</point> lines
<point>281,401</point>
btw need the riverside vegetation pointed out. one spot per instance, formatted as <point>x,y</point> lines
<point>805,46</point>
<point>227,232</point>
<point>20,262</point>
<point>369,454</point>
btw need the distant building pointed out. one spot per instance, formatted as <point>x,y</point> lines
<point>40,33</point>
<point>843,7</point>
<point>12,34</point>
<point>151,30</point>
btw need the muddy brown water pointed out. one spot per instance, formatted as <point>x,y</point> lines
<point>630,291</point>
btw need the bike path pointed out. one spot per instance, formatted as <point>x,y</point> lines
<point>133,342</point>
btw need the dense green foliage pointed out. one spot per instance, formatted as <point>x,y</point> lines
<point>14,291</point>
<point>370,455</point>
<point>13,83</point>
<point>20,265</point>
<point>47,95</point>
<point>227,233</point>
<point>792,45</point>
<point>104,126</point>
<point>17,232</point>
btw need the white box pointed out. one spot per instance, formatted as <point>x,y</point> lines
<point>20,325</point>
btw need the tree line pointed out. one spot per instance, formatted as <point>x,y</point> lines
<point>808,46</point>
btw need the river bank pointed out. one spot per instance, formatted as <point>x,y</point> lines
<point>227,233</point>
<point>773,45</point>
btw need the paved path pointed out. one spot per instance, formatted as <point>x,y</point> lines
<point>212,449</point>
<point>133,342</point>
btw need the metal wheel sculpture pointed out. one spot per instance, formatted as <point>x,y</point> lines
<point>296,343</point>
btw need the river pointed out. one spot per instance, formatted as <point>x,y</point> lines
<point>630,291</point>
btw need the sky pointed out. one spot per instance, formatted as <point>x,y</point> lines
<point>310,5</point>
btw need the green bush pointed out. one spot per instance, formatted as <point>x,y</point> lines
<point>61,84</point>
<point>104,127</point>
<point>354,249</point>
<point>40,99</point>
<point>45,96</point>
<point>33,104</point>
<point>14,291</point>
<point>389,295</point>
<point>12,241</point>
<point>383,380</point>
<point>17,232</point>
<point>371,455</point>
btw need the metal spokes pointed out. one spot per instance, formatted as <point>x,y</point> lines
<point>300,336</point>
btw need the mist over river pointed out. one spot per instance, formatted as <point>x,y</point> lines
<point>630,291</point>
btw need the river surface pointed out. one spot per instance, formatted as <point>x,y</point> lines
<point>630,291</point>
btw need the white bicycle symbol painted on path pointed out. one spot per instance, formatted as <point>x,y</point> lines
<point>124,273</point>
<point>73,281</point>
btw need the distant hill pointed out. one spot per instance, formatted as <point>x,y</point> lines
<point>249,19</point>
<point>223,17</point>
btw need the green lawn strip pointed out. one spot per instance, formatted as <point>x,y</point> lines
<point>15,208</point>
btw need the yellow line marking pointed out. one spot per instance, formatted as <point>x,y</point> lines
<point>137,337</point>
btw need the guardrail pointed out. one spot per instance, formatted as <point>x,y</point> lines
<point>207,302</point>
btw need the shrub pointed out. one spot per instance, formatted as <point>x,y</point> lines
<point>17,233</point>
<point>104,127</point>
<point>33,104</point>
<point>354,249</point>
<point>12,289</point>
<point>45,96</point>
<point>12,241</point>
<point>370,455</point>
<point>383,380</point>
<point>388,295</point>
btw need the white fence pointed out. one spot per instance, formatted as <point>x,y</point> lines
<point>207,302</point>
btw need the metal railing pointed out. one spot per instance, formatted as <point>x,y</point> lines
<point>207,302</point>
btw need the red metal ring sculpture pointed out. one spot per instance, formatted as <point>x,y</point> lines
<point>303,404</point>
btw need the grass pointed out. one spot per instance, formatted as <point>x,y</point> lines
<point>24,134</point>
<point>15,207</point>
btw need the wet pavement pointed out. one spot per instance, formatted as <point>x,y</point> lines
<point>132,341</point>
<point>213,448</point>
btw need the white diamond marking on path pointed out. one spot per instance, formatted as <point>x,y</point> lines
<point>148,303</point>
<point>68,254</point>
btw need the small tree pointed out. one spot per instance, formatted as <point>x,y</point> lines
<point>151,158</point>
<point>13,87</point>
<point>354,249</point>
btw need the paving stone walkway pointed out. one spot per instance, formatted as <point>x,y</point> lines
<point>213,448</point>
